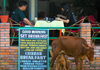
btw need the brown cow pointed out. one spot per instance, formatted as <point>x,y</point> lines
<point>73,47</point>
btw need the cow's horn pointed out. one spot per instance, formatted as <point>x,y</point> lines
<point>85,46</point>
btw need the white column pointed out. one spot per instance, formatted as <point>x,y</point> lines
<point>31,9</point>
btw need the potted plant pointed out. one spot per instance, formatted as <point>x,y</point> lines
<point>4,15</point>
<point>4,18</point>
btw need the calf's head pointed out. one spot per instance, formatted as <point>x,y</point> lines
<point>90,53</point>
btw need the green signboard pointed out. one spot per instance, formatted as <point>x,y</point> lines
<point>33,49</point>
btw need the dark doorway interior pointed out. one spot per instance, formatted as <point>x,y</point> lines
<point>98,16</point>
<point>98,10</point>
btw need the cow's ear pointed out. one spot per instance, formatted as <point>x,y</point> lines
<point>85,46</point>
<point>93,45</point>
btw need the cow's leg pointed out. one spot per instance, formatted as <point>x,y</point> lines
<point>81,64</point>
<point>53,59</point>
<point>56,51</point>
<point>76,62</point>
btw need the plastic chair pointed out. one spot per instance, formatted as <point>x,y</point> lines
<point>94,23</point>
<point>13,32</point>
<point>75,32</point>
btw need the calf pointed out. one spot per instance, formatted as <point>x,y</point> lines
<point>61,62</point>
<point>73,47</point>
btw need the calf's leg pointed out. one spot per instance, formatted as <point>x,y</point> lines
<point>57,65</point>
<point>64,65</point>
<point>49,68</point>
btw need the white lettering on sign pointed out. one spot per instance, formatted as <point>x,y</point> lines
<point>32,57</point>
<point>26,57</point>
<point>37,36</point>
<point>39,32</point>
<point>26,31</point>
<point>40,57</point>
<point>23,35</point>
<point>33,53</point>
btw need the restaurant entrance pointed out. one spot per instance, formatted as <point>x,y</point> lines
<point>49,8</point>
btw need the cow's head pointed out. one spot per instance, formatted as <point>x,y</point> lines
<point>90,53</point>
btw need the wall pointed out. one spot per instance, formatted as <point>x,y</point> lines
<point>9,54</point>
<point>43,6</point>
<point>1,3</point>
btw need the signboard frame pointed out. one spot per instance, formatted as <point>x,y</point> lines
<point>39,38</point>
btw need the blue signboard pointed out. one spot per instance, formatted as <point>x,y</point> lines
<point>33,49</point>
